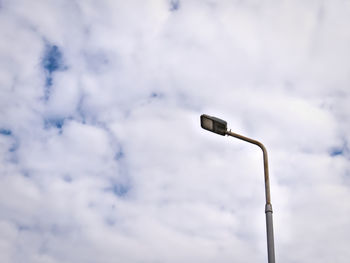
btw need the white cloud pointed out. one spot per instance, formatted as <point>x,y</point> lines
<point>103,159</point>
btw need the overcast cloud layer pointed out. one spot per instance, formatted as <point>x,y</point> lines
<point>101,153</point>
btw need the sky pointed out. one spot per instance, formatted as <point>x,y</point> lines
<point>102,158</point>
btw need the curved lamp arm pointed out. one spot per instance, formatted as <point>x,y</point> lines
<point>266,164</point>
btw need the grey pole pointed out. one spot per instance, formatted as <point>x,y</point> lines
<point>268,206</point>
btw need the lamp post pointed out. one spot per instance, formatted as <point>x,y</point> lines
<point>219,126</point>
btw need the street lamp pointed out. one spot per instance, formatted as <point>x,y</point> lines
<point>219,126</point>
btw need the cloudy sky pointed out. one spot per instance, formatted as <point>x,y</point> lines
<point>102,158</point>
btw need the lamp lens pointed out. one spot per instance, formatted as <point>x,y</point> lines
<point>207,124</point>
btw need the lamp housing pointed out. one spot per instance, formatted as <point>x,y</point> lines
<point>213,124</point>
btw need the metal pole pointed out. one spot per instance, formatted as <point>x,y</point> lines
<point>268,206</point>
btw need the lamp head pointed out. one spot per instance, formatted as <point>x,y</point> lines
<point>213,124</point>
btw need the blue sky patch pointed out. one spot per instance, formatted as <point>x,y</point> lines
<point>67,178</point>
<point>5,132</point>
<point>23,227</point>
<point>343,150</point>
<point>174,5</point>
<point>119,155</point>
<point>118,189</point>
<point>51,62</point>
<point>54,122</point>
<point>14,146</point>
<point>336,152</point>
<point>156,95</point>
<point>26,174</point>
<point>53,59</point>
